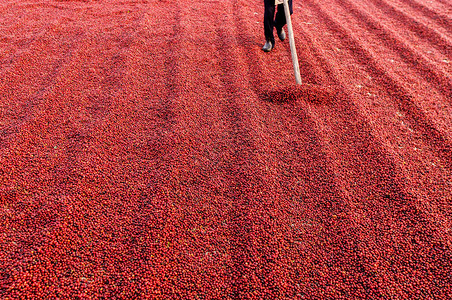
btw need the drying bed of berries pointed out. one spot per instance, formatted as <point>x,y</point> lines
<point>151,149</point>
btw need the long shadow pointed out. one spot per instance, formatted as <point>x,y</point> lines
<point>387,200</point>
<point>389,186</point>
<point>429,134</point>
<point>444,21</point>
<point>243,225</point>
<point>249,258</point>
<point>29,105</point>
<point>421,30</point>
<point>445,3</point>
<point>408,55</point>
<point>327,203</point>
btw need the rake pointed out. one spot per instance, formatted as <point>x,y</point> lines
<point>293,50</point>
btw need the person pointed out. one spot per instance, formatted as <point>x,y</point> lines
<point>274,21</point>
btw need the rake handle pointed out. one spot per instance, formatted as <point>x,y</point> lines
<point>293,50</point>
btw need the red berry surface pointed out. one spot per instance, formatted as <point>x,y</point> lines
<point>149,149</point>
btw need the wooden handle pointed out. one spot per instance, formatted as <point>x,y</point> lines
<point>293,50</point>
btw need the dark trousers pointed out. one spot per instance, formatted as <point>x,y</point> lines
<point>271,21</point>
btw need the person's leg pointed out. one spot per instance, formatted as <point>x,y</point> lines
<point>280,18</point>
<point>269,22</point>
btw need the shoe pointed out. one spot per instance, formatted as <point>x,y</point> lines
<point>268,46</point>
<point>282,34</point>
